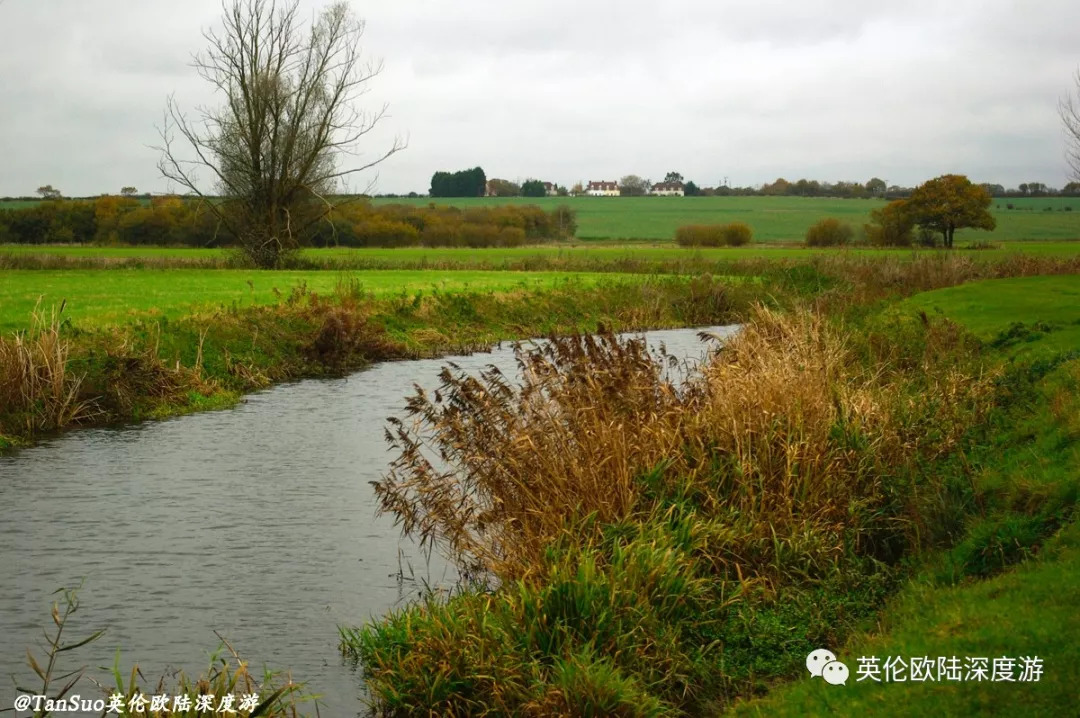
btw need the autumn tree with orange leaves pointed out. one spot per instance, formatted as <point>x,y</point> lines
<point>948,203</point>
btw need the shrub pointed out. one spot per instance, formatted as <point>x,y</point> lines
<point>441,234</point>
<point>386,233</point>
<point>734,234</point>
<point>481,235</point>
<point>698,235</point>
<point>891,225</point>
<point>829,232</point>
<point>928,238</point>
<point>564,221</point>
<point>353,223</point>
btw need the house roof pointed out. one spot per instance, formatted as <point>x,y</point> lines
<point>603,185</point>
<point>667,186</point>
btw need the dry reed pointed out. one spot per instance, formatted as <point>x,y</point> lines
<point>36,383</point>
<point>785,437</point>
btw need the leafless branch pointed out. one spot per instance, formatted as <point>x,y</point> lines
<point>274,149</point>
<point>1069,109</point>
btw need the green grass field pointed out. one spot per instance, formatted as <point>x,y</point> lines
<point>1027,611</point>
<point>498,257</point>
<point>776,219</point>
<point>1048,306</point>
<point>773,219</point>
<point>103,297</point>
<point>18,203</point>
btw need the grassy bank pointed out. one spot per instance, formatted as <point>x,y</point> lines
<point>97,298</point>
<point>58,374</point>
<point>853,471</point>
<point>965,601</point>
<point>649,551</point>
<point>619,257</point>
<point>819,465</point>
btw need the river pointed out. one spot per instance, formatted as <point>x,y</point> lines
<point>257,521</point>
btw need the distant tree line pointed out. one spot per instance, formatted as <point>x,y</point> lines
<point>165,221</point>
<point>874,187</point>
<point>465,183</point>
<point>111,220</point>
<point>471,183</point>
<point>398,225</point>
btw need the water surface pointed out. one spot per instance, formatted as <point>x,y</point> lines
<point>257,522</point>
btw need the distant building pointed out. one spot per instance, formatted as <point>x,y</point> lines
<point>602,189</point>
<point>550,189</point>
<point>668,189</point>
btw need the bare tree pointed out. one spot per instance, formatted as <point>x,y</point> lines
<point>1070,116</point>
<point>274,149</point>
<point>633,186</point>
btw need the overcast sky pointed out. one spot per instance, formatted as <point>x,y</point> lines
<point>569,90</point>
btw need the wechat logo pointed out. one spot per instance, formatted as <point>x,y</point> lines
<point>823,664</point>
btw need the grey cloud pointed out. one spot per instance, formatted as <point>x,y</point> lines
<point>566,90</point>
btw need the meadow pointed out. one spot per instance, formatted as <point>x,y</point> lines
<point>1029,314</point>
<point>588,257</point>
<point>94,298</point>
<point>775,219</point>
<point>882,461</point>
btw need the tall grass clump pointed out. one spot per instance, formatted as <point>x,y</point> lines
<point>38,390</point>
<point>642,546</point>
<point>734,234</point>
<point>829,232</point>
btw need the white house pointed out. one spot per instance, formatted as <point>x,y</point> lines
<point>667,189</point>
<point>602,189</point>
<point>551,189</point>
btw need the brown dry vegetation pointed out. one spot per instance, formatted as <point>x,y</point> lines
<point>55,376</point>
<point>595,414</point>
<point>36,383</point>
<point>52,376</point>
<point>637,541</point>
<point>641,547</point>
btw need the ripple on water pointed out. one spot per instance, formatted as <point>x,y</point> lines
<point>257,522</point>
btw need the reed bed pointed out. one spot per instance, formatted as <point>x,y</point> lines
<point>632,540</point>
<point>158,367</point>
<point>37,387</point>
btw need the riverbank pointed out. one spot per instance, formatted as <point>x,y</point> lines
<point>650,257</point>
<point>115,362</point>
<point>840,459</point>
<point>1006,590</point>
<point>661,552</point>
<point>58,375</point>
<point>256,522</point>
